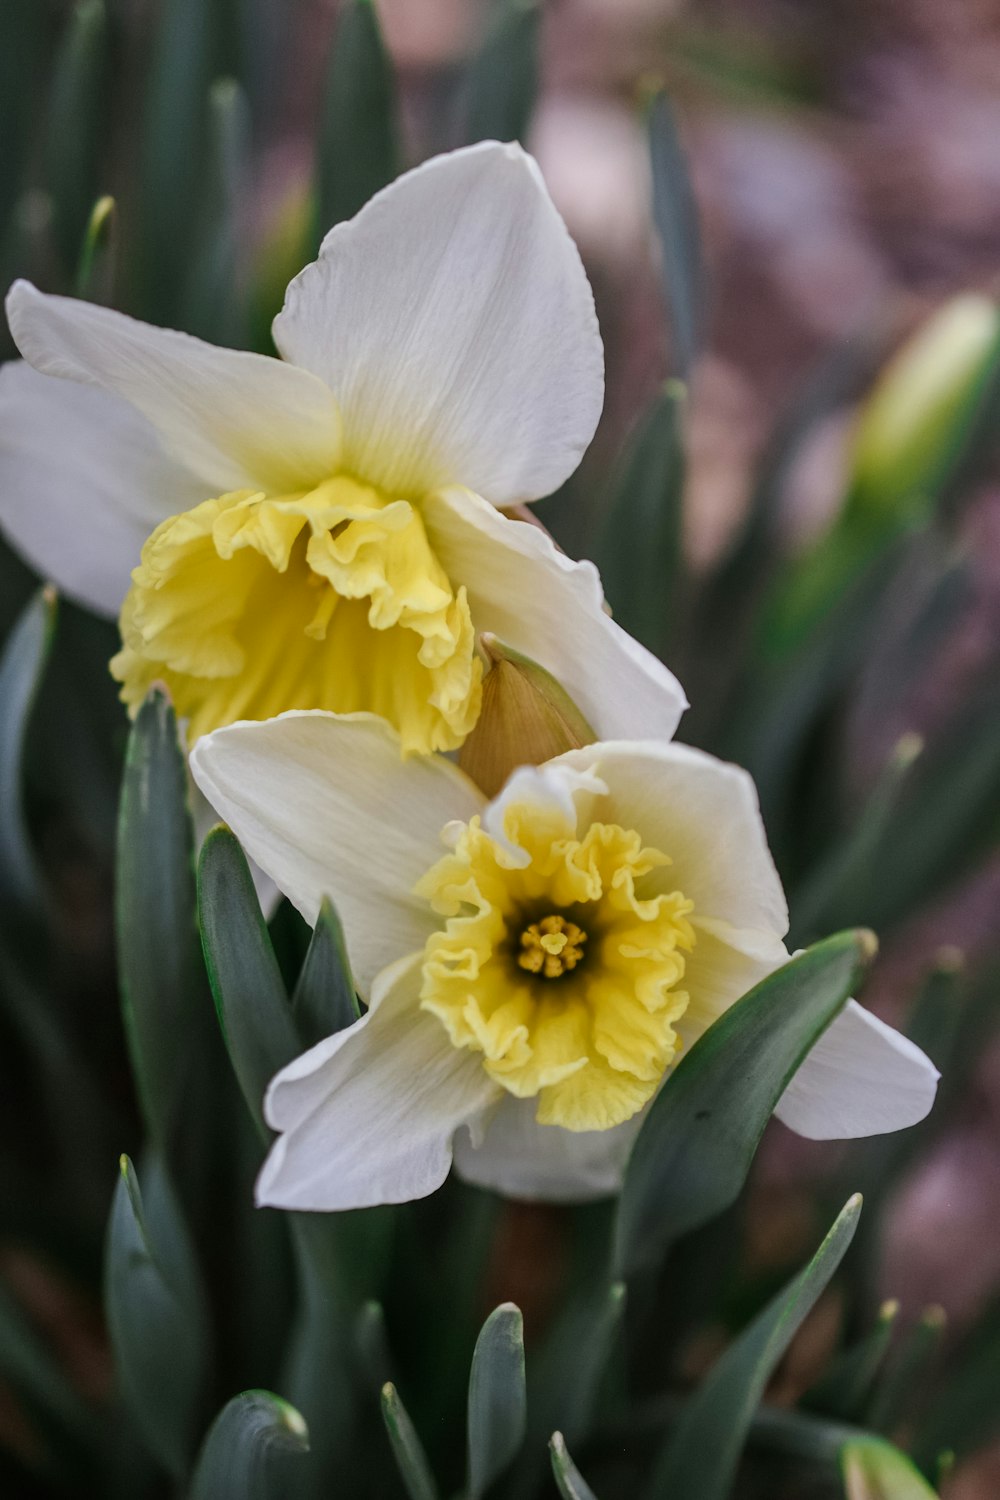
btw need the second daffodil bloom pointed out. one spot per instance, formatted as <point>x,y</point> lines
<point>323,530</point>
<point>533,964</point>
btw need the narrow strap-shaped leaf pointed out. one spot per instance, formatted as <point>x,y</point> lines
<point>165,999</point>
<point>247,1451</point>
<point>502,81</point>
<point>676,218</point>
<point>702,1451</point>
<point>411,1460</point>
<point>214,294</point>
<point>839,885</point>
<point>640,550</point>
<point>565,1377</point>
<point>358,150</point>
<point>325,1000</point>
<point>845,1387</point>
<point>76,116</point>
<point>154,1306</point>
<point>905,1377</point>
<point>497,1401</point>
<point>372,1345</point>
<point>874,1470</point>
<point>172,147</point>
<point>96,265</point>
<point>694,1150</point>
<point>21,668</point>
<point>250,995</point>
<point>569,1481</point>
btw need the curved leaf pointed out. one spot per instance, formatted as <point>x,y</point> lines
<point>164,996</point>
<point>411,1460</point>
<point>325,1000</point>
<point>569,1481</point>
<point>154,1308</point>
<point>250,996</point>
<point>245,1455</point>
<point>497,1401</point>
<point>358,150</point>
<point>694,1150</point>
<point>502,81</point>
<point>702,1451</point>
<point>21,668</point>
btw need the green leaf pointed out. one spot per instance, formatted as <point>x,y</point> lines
<point>325,1000</point>
<point>165,999</point>
<point>245,1455</point>
<point>502,82</point>
<point>215,304</point>
<point>964,1415</point>
<point>694,1150</point>
<point>844,1388</point>
<point>250,996</point>
<point>155,1313</point>
<point>358,151</point>
<point>906,1375</point>
<point>676,217</point>
<point>874,1470</point>
<point>407,1449</point>
<point>372,1345</point>
<point>23,50</point>
<point>702,1451</point>
<point>565,1377</point>
<point>173,149</point>
<point>21,668</point>
<point>497,1401</point>
<point>96,267</point>
<point>640,553</point>
<point>949,815</point>
<point>75,124</point>
<point>840,885</point>
<point>569,1481</point>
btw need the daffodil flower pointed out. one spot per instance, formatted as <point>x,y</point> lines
<point>322,530</point>
<point>533,965</point>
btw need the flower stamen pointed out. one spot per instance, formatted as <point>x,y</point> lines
<point>551,947</point>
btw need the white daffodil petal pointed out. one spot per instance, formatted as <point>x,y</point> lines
<point>552,790</point>
<point>522,1159</point>
<point>83,481</point>
<point>326,805</point>
<point>453,321</point>
<point>704,814</point>
<point>234,419</point>
<point>369,1114</point>
<point>861,1078</point>
<point>527,592</point>
<point>723,966</point>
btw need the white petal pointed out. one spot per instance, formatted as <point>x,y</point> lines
<point>453,321</point>
<point>83,481</point>
<point>522,1159</point>
<point>527,592</point>
<point>237,420</point>
<point>552,790</point>
<point>326,805</point>
<point>369,1114</point>
<point>724,965</point>
<point>861,1078</point>
<point>704,814</point>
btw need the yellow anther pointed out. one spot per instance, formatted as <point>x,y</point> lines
<point>551,947</point>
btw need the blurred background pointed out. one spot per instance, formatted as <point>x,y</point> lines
<point>844,160</point>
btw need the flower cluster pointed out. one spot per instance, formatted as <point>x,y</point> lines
<point>309,551</point>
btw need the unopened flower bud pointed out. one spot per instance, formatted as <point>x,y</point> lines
<point>915,423</point>
<point>526,719</point>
